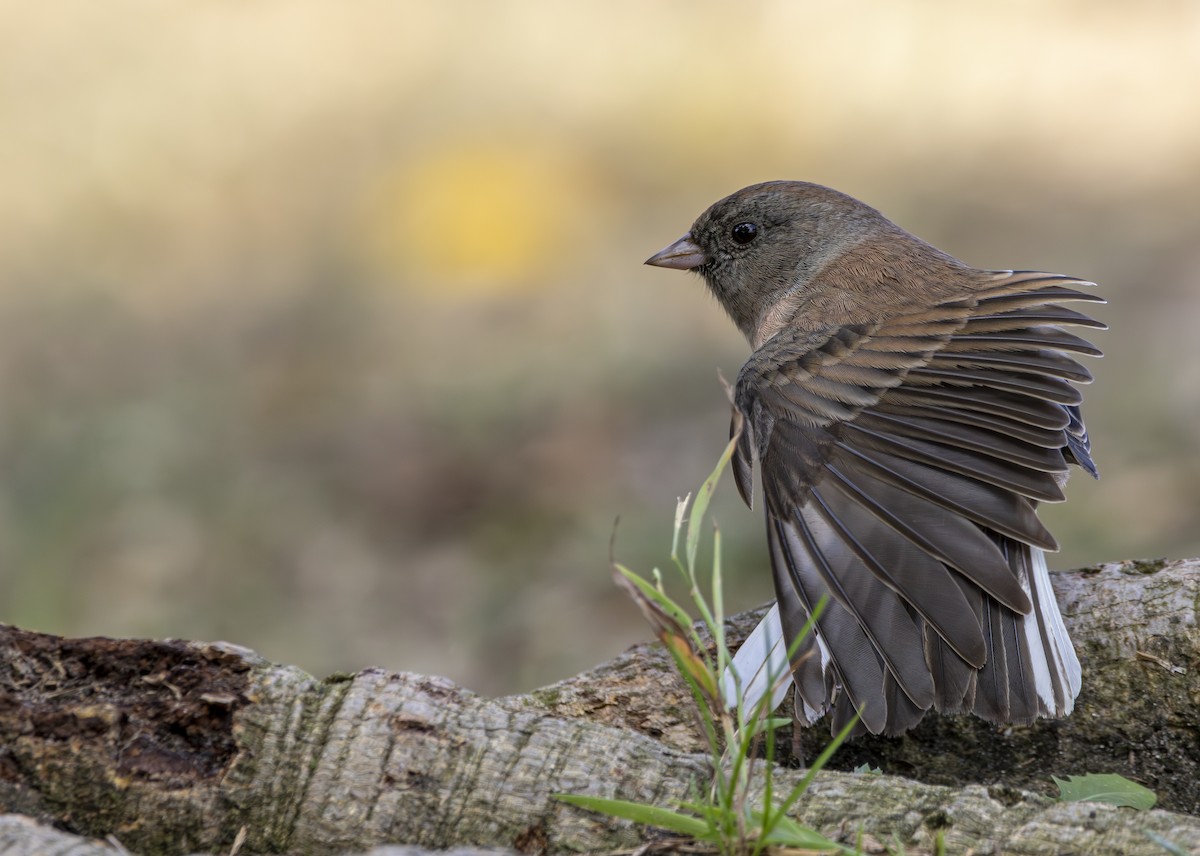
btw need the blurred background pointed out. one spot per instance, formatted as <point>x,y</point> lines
<point>324,328</point>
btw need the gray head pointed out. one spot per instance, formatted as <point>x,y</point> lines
<point>768,240</point>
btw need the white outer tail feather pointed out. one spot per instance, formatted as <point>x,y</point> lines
<point>759,663</point>
<point>762,661</point>
<point>1062,658</point>
<point>761,666</point>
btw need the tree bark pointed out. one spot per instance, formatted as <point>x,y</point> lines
<point>176,747</point>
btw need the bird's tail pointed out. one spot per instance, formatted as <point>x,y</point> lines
<point>760,666</point>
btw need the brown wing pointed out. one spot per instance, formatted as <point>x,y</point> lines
<point>902,463</point>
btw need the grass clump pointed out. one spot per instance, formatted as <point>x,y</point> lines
<point>721,813</point>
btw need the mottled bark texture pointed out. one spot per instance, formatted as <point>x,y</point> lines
<point>177,747</point>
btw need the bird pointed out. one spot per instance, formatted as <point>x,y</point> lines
<point>906,413</point>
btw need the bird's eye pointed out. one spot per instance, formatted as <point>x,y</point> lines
<point>744,233</point>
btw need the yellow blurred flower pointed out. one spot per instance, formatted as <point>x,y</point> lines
<point>474,219</point>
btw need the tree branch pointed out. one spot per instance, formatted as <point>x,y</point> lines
<point>174,747</point>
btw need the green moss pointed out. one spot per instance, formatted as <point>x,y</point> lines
<point>548,696</point>
<point>1144,566</point>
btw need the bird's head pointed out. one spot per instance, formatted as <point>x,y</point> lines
<point>770,241</point>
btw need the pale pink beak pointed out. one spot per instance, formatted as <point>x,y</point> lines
<point>684,254</point>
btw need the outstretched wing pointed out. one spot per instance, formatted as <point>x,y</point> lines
<point>902,463</point>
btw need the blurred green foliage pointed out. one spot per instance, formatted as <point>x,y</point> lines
<point>323,327</point>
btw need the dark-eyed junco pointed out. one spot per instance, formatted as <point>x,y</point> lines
<point>907,413</point>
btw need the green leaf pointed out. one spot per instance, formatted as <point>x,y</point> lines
<point>761,726</point>
<point>700,506</point>
<point>718,605</point>
<point>680,512</point>
<point>1105,788</point>
<point>663,818</point>
<point>665,605</point>
<point>791,834</point>
<point>867,769</point>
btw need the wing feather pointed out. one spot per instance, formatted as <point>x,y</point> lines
<point>902,464</point>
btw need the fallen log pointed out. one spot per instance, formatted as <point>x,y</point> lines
<point>176,747</point>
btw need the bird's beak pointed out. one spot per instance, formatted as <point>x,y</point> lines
<point>684,254</point>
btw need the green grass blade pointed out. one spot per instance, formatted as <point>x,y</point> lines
<point>768,818</point>
<point>658,597</point>
<point>820,762</point>
<point>700,506</point>
<point>1105,788</point>
<point>791,834</point>
<point>680,512</point>
<point>663,818</point>
<point>807,628</point>
<point>718,610</point>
